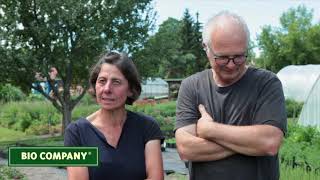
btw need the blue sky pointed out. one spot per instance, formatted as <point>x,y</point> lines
<point>255,12</point>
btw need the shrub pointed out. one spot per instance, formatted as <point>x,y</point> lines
<point>87,99</point>
<point>293,108</point>
<point>301,148</point>
<point>55,129</point>
<point>38,128</point>
<point>8,115</point>
<point>10,93</point>
<point>21,122</point>
<point>21,115</point>
<point>35,97</point>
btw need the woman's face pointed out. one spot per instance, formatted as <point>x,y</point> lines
<point>112,88</point>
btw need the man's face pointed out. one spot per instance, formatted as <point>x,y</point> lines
<point>227,45</point>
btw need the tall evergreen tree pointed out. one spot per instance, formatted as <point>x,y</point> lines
<point>192,42</point>
<point>201,59</point>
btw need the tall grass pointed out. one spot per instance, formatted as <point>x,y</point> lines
<point>11,135</point>
<point>288,173</point>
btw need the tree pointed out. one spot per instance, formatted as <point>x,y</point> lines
<point>175,51</point>
<point>37,35</point>
<point>160,56</point>
<point>192,42</point>
<point>201,57</point>
<point>295,42</point>
<point>187,32</point>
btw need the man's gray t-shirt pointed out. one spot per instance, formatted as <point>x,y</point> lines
<point>257,98</point>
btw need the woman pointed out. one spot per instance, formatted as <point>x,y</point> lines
<point>129,143</point>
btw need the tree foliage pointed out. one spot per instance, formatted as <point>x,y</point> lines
<point>192,42</point>
<point>295,42</point>
<point>160,50</point>
<point>69,35</point>
<point>175,51</point>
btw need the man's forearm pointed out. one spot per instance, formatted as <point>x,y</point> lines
<point>193,148</point>
<point>253,140</point>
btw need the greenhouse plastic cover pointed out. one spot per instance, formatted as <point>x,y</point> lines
<point>297,80</point>
<point>310,114</point>
<point>154,87</point>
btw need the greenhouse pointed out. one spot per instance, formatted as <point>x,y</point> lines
<point>302,83</point>
<point>154,87</point>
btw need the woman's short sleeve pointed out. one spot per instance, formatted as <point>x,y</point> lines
<point>152,130</point>
<point>71,135</point>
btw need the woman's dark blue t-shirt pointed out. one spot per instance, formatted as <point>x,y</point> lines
<point>127,161</point>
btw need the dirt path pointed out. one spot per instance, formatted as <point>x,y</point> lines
<point>40,173</point>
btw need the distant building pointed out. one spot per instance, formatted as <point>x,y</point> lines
<point>154,87</point>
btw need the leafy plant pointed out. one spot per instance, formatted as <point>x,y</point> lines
<point>35,97</point>
<point>301,148</point>
<point>293,108</point>
<point>23,115</point>
<point>10,93</point>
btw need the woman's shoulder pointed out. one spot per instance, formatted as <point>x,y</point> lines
<point>138,115</point>
<point>78,124</point>
<point>141,118</point>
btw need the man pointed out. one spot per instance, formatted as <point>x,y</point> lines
<point>230,119</point>
<point>53,82</point>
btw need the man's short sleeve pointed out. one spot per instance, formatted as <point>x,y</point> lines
<point>270,106</point>
<point>71,135</point>
<point>186,111</point>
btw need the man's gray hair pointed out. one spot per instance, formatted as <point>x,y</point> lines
<point>214,22</point>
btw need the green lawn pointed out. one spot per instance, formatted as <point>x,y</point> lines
<point>11,135</point>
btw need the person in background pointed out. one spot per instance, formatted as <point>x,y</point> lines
<point>53,73</point>
<point>230,119</point>
<point>128,142</point>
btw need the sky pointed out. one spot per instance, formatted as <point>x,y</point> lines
<point>256,13</point>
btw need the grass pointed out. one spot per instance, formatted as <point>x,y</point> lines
<point>11,135</point>
<point>48,141</point>
<point>288,173</point>
<point>52,141</point>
